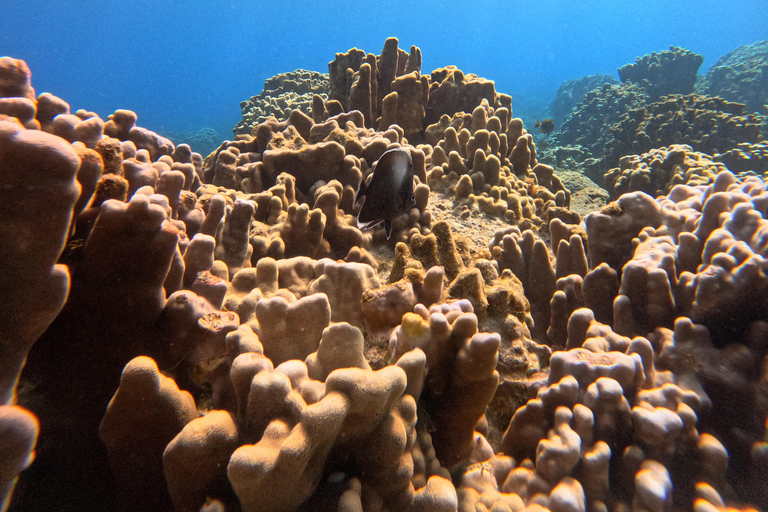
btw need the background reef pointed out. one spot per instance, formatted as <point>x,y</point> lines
<point>184,68</point>
<point>189,332</point>
<point>660,102</point>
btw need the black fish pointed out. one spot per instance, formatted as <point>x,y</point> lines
<point>546,126</point>
<point>389,193</point>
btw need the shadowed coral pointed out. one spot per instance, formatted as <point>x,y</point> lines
<point>611,230</point>
<point>130,244</point>
<point>15,79</point>
<point>340,230</point>
<point>19,429</point>
<point>358,406</point>
<point>302,232</point>
<point>195,460</point>
<point>88,176</point>
<point>288,457</point>
<point>146,413</point>
<point>449,338</point>
<point>528,258</point>
<point>157,145</point>
<point>301,322</point>
<point>313,163</point>
<point>383,308</point>
<point>35,225</point>
<point>119,124</point>
<point>22,109</point>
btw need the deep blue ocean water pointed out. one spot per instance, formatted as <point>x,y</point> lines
<point>185,65</point>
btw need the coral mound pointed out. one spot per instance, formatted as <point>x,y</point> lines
<point>740,76</point>
<point>672,71</point>
<point>282,94</point>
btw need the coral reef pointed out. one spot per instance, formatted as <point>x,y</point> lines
<point>709,125</point>
<point>219,335</point>
<point>572,92</point>
<point>653,107</point>
<point>739,76</point>
<point>389,89</point>
<point>589,124</point>
<point>203,141</point>
<point>282,94</point>
<point>489,163</point>
<point>671,71</point>
<point>746,157</point>
<point>659,170</point>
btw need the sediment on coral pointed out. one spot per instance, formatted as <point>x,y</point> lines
<point>219,333</point>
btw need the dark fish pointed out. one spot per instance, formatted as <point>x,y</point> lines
<point>546,126</point>
<point>389,192</point>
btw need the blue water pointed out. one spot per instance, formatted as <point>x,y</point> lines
<point>186,65</point>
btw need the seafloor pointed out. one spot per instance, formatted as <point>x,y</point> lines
<point>207,333</point>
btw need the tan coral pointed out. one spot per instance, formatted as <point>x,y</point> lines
<point>147,411</point>
<point>36,226</point>
<point>344,285</point>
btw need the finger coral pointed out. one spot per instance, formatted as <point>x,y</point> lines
<point>209,334</point>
